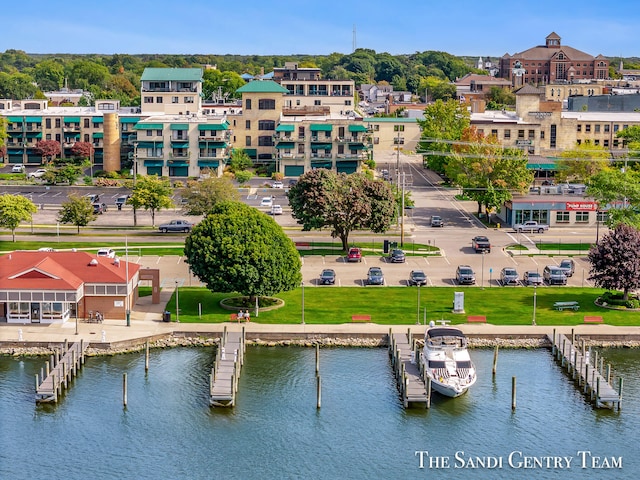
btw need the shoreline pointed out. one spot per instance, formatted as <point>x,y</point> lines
<point>202,340</point>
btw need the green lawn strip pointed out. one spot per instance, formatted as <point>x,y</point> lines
<point>133,248</point>
<point>398,306</point>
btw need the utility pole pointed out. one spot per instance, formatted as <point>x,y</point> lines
<point>402,215</point>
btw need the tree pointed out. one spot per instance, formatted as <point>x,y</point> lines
<point>582,162</point>
<point>237,248</point>
<point>615,263</point>
<point>619,193</point>
<point>82,150</point>
<point>202,196</point>
<point>15,209</point>
<point>151,193</point>
<point>49,74</point>
<point>442,121</point>
<point>239,160</point>
<point>243,176</point>
<point>487,172</point>
<point>323,198</point>
<point>48,149</point>
<point>67,174</point>
<point>77,211</point>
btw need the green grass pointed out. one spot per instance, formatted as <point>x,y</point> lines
<point>134,248</point>
<point>398,306</point>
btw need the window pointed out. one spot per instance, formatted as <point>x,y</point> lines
<point>480,131</point>
<point>247,141</point>
<point>376,128</point>
<point>174,100</point>
<point>541,134</point>
<point>582,217</point>
<point>398,141</point>
<point>398,128</point>
<point>521,134</point>
<point>266,104</point>
<point>158,133</point>
<point>579,127</point>
<point>317,102</point>
<point>86,137</point>
<point>265,141</point>
<point>602,217</point>
<point>301,149</point>
<point>247,104</point>
<point>86,123</point>
<point>247,124</point>
<point>587,128</point>
<point>494,133</point>
<point>579,142</point>
<point>347,102</point>
<point>606,128</point>
<point>507,134</point>
<point>266,125</point>
<point>615,128</point>
<point>148,99</point>
<point>158,99</point>
<point>47,123</point>
<point>596,142</point>
<point>188,99</point>
<point>553,136</point>
<point>532,134</point>
<point>562,217</point>
<point>605,143</point>
<point>596,128</point>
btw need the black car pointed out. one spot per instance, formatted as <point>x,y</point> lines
<point>375,276</point>
<point>396,256</point>
<point>328,277</point>
<point>417,277</point>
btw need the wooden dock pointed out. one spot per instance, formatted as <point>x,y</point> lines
<point>223,381</point>
<point>590,376</point>
<point>405,361</point>
<point>59,371</point>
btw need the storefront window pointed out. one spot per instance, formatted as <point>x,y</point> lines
<point>562,217</point>
<point>582,217</point>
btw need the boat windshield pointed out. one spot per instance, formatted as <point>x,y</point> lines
<point>437,364</point>
<point>463,364</point>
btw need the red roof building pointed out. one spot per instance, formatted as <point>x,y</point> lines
<point>55,287</point>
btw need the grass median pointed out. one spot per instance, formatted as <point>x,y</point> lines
<point>399,306</point>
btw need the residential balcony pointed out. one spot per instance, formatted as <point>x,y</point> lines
<point>290,156</point>
<point>321,155</point>
<point>178,161</point>
<point>14,127</point>
<point>278,137</point>
<point>321,139</point>
<point>220,137</point>
<point>33,127</point>
<point>71,127</point>
<point>307,110</point>
<point>352,156</point>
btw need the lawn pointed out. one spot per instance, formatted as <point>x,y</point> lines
<point>398,305</point>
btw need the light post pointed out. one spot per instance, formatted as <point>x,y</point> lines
<point>535,300</point>
<point>418,310</point>
<point>303,303</point>
<point>402,215</point>
<point>177,304</point>
<point>597,226</point>
<point>482,273</point>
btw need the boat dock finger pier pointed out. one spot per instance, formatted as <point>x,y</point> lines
<point>403,351</point>
<point>225,373</point>
<point>59,371</point>
<point>590,376</point>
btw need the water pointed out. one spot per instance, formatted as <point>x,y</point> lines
<point>362,431</point>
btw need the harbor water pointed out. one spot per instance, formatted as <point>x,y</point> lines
<point>361,431</point>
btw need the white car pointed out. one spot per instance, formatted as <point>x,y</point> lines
<point>39,173</point>
<point>266,202</point>
<point>107,252</point>
<point>17,168</point>
<point>277,185</point>
<point>276,210</point>
<point>46,249</point>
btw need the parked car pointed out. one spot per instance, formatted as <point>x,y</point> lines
<point>176,226</point>
<point>509,276</point>
<point>328,277</point>
<point>107,252</point>
<point>46,249</point>
<point>266,202</point>
<point>122,200</point>
<point>481,244</point>
<point>39,173</point>
<point>417,277</point>
<point>276,210</point>
<point>436,221</point>
<point>532,278</point>
<point>292,182</point>
<point>17,168</point>
<point>277,185</point>
<point>554,275</point>
<point>354,255</point>
<point>93,197</point>
<point>396,256</point>
<point>99,208</point>
<point>568,266</point>
<point>375,276</point>
<point>531,226</point>
<point>465,275</point>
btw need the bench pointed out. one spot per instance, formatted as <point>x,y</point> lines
<point>360,318</point>
<point>234,317</point>
<point>477,319</point>
<point>566,305</point>
<point>592,319</point>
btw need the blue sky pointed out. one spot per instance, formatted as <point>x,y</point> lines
<point>273,27</point>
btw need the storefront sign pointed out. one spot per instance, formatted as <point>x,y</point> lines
<point>582,206</point>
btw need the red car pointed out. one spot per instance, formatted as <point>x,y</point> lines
<point>355,255</point>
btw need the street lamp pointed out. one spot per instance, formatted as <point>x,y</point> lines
<point>482,273</point>
<point>535,301</point>
<point>418,311</point>
<point>303,303</point>
<point>177,304</point>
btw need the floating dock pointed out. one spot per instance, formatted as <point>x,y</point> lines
<point>582,365</point>
<point>405,361</point>
<point>223,381</point>
<point>59,371</point>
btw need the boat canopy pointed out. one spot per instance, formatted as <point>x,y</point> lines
<point>444,332</point>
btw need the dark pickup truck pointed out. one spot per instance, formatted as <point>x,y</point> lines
<point>481,244</point>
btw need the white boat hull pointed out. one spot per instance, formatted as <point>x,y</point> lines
<point>452,389</point>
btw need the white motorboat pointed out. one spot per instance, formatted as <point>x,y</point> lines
<point>447,361</point>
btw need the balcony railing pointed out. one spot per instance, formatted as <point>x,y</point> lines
<point>319,155</point>
<point>71,127</point>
